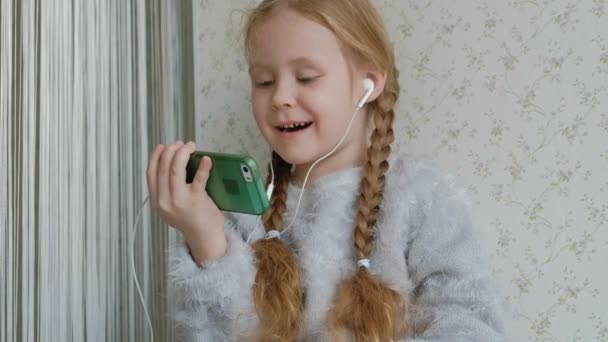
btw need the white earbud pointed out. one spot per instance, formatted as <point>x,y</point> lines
<point>369,86</point>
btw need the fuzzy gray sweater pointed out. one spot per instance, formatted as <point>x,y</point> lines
<point>425,248</point>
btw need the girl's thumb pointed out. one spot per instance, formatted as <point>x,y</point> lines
<point>202,174</point>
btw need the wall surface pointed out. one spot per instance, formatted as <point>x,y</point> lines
<point>512,96</point>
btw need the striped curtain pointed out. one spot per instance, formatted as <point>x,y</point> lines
<point>87,88</point>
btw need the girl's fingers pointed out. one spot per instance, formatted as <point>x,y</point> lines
<point>164,169</point>
<point>202,175</point>
<point>177,179</point>
<point>151,173</point>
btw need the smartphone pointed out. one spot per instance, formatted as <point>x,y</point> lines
<point>234,182</point>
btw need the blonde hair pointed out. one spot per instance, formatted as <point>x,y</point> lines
<point>364,306</point>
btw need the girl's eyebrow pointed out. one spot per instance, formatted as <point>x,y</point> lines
<point>294,61</point>
<point>302,60</point>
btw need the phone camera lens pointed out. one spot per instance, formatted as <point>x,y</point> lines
<point>245,169</point>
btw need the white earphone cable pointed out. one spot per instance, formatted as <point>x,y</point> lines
<point>315,163</point>
<point>141,296</point>
<point>268,193</point>
<point>137,286</point>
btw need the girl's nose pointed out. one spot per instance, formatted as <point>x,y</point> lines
<point>283,96</point>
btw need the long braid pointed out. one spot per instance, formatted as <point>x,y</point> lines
<point>278,292</point>
<point>364,305</point>
<point>372,184</point>
<point>273,218</point>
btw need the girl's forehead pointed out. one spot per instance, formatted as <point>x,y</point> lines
<point>286,36</point>
<point>290,21</point>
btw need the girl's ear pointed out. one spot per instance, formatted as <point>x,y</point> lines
<point>379,79</point>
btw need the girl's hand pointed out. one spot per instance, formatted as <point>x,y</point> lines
<point>185,207</point>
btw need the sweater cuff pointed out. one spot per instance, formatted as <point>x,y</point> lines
<point>223,285</point>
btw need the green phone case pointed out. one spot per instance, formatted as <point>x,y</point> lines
<point>229,186</point>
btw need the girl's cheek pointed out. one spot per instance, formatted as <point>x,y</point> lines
<point>261,97</point>
<point>258,103</point>
<point>318,102</point>
<point>260,118</point>
<point>257,109</point>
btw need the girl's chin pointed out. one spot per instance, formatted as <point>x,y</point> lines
<point>295,157</point>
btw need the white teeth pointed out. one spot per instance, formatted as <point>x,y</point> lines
<point>295,125</point>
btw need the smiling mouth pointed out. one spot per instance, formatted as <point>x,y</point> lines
<point>294,127</point>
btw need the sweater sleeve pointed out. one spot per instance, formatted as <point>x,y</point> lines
<point>212,302</point>
<point>455,298</point>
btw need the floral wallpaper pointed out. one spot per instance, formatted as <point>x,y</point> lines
<point>512,97</point>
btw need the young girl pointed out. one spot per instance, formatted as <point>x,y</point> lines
<point>382,247</point>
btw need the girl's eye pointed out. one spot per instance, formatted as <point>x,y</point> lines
<point>306,79</point>
<point>264,84</point>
